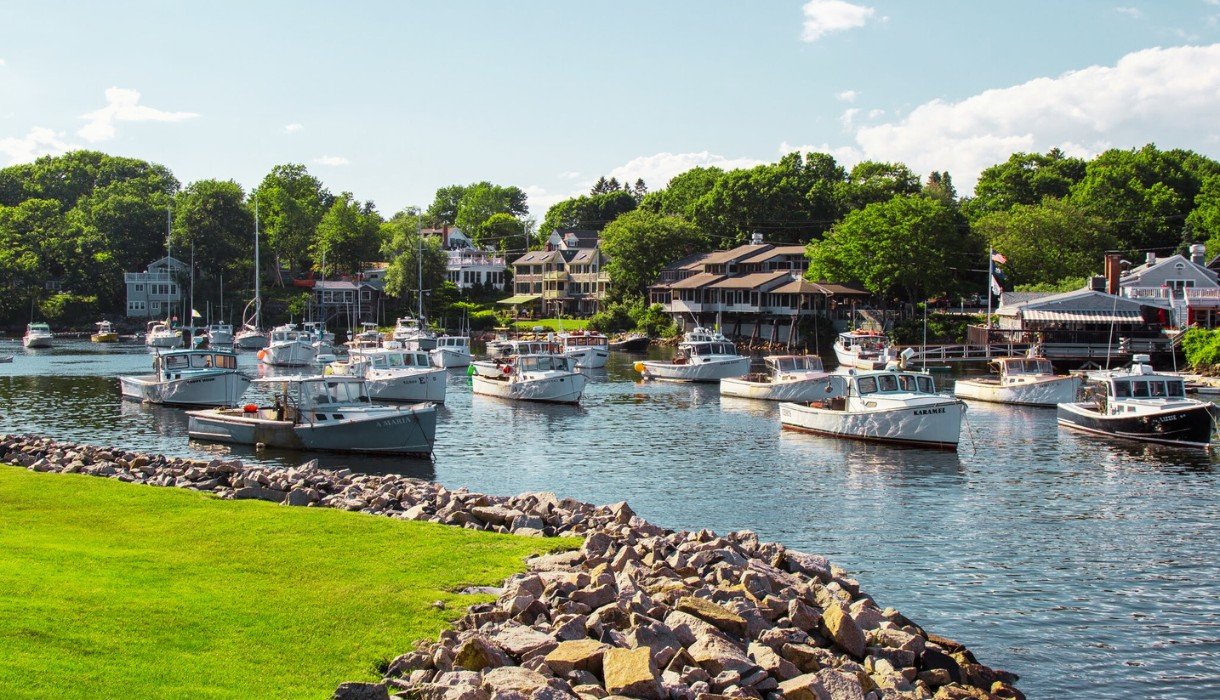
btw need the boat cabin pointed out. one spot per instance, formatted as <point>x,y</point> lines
<point>1145,387</point>
<point>893,383</point>
<point>532,347</point>
<point>174,363</point>
<point>453,341</point>
<point>863,340</point>
<point>790,364</point>
<point>1019,370</point>
<point>691,350</point>
<point>287,335</point>
<point>546,362</point>
<point>104,327</point>
<point>583,340</point>
<point>395,359</point>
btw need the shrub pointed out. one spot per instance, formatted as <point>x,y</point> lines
<point>1202,347</point>
<point>942,328</point>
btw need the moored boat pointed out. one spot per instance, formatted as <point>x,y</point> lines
<point>105,333</point>
<point>862,350</point>
<point>704,356</point>
<point>289,347</point>
<point>160,335</point>
<point>631,343</point>
<point>330,413</point>
<point>1137,403</point>
<point>785,378</point>
<point>38,335</point>
<point>189,378</point>
<point>413,335</point>
<point>590,349</point>
<point>1029,381</point>
<point>220,334</point>
<point>547,378</point>
<point>394,374</point>
<point>451,351</point>
<point>881,406</point>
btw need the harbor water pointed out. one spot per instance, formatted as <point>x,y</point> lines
<point>1090,567</point>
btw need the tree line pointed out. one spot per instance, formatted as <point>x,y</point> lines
<point>71,225</point>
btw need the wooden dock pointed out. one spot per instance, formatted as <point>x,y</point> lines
<point>964,353</point>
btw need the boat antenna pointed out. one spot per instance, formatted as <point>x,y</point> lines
<point>1110,338</point>
<point>258,302</point>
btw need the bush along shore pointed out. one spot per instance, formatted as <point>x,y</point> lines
<point>638,611</point>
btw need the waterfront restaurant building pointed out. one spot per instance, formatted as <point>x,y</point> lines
<point>1188,285</point>
<point>468,265</point>
<point>754,290</point>
<point>155,293</point>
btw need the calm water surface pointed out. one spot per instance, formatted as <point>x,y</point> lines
<point>1088,567</point>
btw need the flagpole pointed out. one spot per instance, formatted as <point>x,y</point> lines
<point>990,272</point>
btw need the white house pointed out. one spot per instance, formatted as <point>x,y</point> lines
<point>468,265</point>
<point>1186,284</point>
<point>155,293</point>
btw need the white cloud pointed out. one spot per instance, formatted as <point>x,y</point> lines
<point>2,63</point>
<point>823,17</point>
<point>332,160</point>
<point>875,113</point>
<point>847,96</point>
<point>540,199</point>
<point>1166,96</point>
<point>657,170</point>
<point>40,141</point>
<point>293,128</point>
<point>122,106</point>
<point>848,117</point>
<point>1132,12</point>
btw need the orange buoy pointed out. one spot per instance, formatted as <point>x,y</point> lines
<point>262,354</point>
<point>250,408</point>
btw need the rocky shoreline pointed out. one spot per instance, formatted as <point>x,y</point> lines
<point>638,611</point>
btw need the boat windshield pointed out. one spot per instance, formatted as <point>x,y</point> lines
<point>798,363</point>
<point>543,363</point>
<point>1039,365</point>
<point>895,382</point>
<point>712,349</point>
<point>1147,388</point>
<point>321,393</point>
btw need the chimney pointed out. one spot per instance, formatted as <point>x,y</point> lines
<point>445,236</point>
<point>1198,254</point>
<point>756,238</point>
<point>1151,259</point>
<point>1097,283</point>
<point>1113,270</point>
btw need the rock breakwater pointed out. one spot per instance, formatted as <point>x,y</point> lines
<point>638,611</point>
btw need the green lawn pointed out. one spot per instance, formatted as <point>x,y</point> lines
<point>554,324</point>
<point>117,590</point>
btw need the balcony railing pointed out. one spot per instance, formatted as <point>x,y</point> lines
<point>557,275</point>
<point>1169,293</point>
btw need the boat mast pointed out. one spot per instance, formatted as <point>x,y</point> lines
<point>990,272</point>
<point>169,258</point>
<point>419,265</point>
<point>258,302</point>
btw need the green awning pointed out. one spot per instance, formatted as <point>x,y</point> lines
<point>520,299</point>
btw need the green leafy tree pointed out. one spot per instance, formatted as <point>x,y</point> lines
<point>1025,178</point>
<point>291,203</point>
<point>504,232</point>
<point>444,208</point>
<point>483,200</point>
<point>909,248</point>
<point>211,216</point>
<point>683,191</point>
<point>591,212</point>
<point>348,234</point>
<point>639,243</point>
<point>401,247</point>
<point>1046,242</point>
<point>872,181</point>
<point>1146,194</point>
<point>1204,219</point>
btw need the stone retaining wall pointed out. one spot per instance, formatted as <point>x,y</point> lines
<point>639,611</point>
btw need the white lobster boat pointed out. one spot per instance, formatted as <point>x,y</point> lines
<point>862,350</point>
<point>220,334</point>
<point>704,356</point>
<point>547,378</point>
<point>1029,381</point>
<point>451,351</point>
<point>413,335</point>
<point>394,374</point>
<point>881,406</point>
<point>38,335</point>
<point>189,378</point>
<point>590,349</point>
<point>289,347</point>
<point>160,335</point>
<point>322,413</point>
<point>787,378</point>
<point>251,338</point>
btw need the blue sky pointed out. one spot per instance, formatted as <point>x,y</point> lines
<point>392,100</point>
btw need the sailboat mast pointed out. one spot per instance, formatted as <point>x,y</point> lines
<point>169,257</point>
<point>258,302</point>
<point>419,264</point>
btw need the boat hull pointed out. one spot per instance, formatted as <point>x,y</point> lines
<point>933,425</point>
<point>291,354</point>
<point>104,338</point>
<point>847,358</point>
<point>450,357</point>
<point>215,339</point>
<point>589,358</point>
<point>638,344</point>
<point>405,430</point>
<point>799,390</point>
<point>1186,427</point>
<point>251,341</point>
<point>565,389</point>
<point>416,386</point>
<point>37,342</point>
<point>712,371</point>
<point>219,389</point>
<point>1044,392</point>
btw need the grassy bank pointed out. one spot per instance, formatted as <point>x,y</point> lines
<point>553,324</point>
<point>114,590</point>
